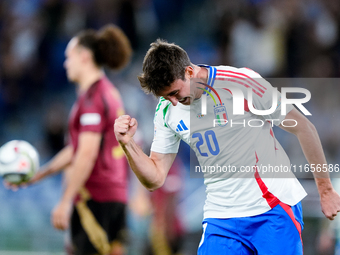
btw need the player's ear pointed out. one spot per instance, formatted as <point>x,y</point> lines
<point>86,55</point>
<point>189,72</point>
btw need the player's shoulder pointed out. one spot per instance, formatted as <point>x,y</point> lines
<point>104,90</point>
<point>162,107</point>
<point>162,112</point>
<point>94,97</point>
<point>243,78</point>
<point>231,70</point>
<point>105,86</point>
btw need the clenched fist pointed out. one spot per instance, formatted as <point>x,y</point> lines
<point>125,127</point>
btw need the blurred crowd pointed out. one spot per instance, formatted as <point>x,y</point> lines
<point>292,38</point>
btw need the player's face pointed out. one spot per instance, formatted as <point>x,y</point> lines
<point>178,91</point>
<point>72,62</point>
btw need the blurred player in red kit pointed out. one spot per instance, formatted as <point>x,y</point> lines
<point>94,200</point>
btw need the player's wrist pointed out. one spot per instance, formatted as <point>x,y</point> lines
<point>126,143</point>
<point>66,200</point>
<point>324,186</point>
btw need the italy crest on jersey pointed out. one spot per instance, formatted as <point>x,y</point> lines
<point>220,115</point>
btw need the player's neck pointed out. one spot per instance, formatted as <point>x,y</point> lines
<point>202,73</point>
<point>88,78</point>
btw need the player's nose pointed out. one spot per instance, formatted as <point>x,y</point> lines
<point>173,100</point>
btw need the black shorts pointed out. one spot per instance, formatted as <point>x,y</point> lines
<point>95,227</point>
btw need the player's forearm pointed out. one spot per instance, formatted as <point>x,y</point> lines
<point>312,149</point>
<point>58,162</point>
<point>143,166</point>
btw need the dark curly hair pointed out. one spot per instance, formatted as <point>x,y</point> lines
<point>109,46</point>
<point>163,64</point>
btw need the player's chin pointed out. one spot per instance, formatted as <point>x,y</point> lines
<point>70,77</point>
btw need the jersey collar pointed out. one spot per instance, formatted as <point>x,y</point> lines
<point>211,76</point>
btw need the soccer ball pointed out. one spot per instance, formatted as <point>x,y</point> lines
<point>19,161</point>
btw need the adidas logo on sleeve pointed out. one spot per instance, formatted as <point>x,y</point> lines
<point>181,126</point>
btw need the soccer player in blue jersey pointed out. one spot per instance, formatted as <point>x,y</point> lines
<point>244,212</point>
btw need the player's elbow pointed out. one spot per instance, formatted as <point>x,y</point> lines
<point>303,126</point>
<point>306,127</point>
<point>152,186</point>
<point>311,127</point>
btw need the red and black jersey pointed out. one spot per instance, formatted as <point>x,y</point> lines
<point>96,111</point>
